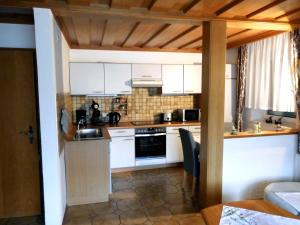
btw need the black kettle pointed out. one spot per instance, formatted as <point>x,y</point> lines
<point>114,118</point>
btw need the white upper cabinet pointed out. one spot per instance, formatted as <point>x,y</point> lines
<point>146,71</point>
<point>172,76</point>
<point>87,78</point>
<point>117,78</point>
<point>192,79</point>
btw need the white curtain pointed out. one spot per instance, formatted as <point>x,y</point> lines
<point>270,77</point>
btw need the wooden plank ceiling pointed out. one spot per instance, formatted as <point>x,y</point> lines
<point>164,25</point>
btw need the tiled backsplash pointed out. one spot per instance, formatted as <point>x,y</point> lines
<point>142,104</point>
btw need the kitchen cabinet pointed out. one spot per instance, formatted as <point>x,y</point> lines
<point>87,78</point>
<point>122,148</point>
<point>117,78</point>
<point>174,151</point>
<point>196,132</point>
<point>87,171</point>
<point>172,76</point>
<point>192,79</point>
<point>146,71</point>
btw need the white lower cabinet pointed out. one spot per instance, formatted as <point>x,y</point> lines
<point>122,152</point>
<point>122,145</point>
<point>174,151</point>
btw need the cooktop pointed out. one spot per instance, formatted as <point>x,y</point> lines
<point>143,123</point>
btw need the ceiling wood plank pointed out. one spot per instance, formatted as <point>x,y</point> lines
<point>186,38</point>
<point>116,32</point>
<point>71,30</point>
<point>228,6</point>
<point>130,33</point>
<point>278,10</point>
<point>97,31</point>
<point>180,35</point>
<point>143,32</point>
<point>287,14</point>
<point>164,27</point>
<point>190,42</point>
<point>272,4</point>
<point>82,29</point>
<point>189,6</point>
<point>169,33</point>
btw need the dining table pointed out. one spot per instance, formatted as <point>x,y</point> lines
<point>212,215</point>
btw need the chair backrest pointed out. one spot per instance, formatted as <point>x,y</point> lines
<point>190,156</point>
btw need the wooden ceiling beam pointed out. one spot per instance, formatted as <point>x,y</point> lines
<point>190,42</point>
<point>266,7</point>
<point>227,7</point>
<point>167,18</point>
<point>113,47</point>
<point>179,36</point>
<point>188,7</point>
<point>151,4</point>
<point>240,42</point>
<point>291,12</point>
<point>152,17</point>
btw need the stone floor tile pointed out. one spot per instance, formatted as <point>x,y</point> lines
<point>78,221</point>
<point>166,222</point>
<point>104,207</point>
<point>158,214</point>
<point>133,217</point>
<point>108,219</point>
<point>193,220</point>
<point>129,204</point>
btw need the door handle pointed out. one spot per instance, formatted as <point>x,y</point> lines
<point>29,134</point>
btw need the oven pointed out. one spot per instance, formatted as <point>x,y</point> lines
<point>150,142</point>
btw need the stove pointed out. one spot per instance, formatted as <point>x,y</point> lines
<point>145,123</point>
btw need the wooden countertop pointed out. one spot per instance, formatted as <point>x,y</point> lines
<point>246,134</point>
<point>212,215</point>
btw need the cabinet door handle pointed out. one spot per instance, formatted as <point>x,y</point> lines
<point>97,91</point>
<point>125,91</point>
<point>146,76</point>
<point>190,91</point>
<point>176,91</point>
<point>120,131</point>
<point>128,139</point>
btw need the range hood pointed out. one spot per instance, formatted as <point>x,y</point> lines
<point>147,83</point>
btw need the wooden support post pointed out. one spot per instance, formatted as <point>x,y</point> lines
<point>212,107</point>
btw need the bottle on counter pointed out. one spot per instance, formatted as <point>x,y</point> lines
<point>257,127</point>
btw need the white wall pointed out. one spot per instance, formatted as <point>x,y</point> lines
<point>78,55</point>
<point>50,82</point>
<point>16,36</point>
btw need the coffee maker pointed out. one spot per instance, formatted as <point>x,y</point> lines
<point>81,115</point>
<point>96,115</point>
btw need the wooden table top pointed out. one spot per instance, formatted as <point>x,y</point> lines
<point>212,215</point>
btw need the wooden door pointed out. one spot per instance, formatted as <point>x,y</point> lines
<point>19,159</point>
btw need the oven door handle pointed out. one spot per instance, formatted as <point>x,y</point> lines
<point>150,135</point>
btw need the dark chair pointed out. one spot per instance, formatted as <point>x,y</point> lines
<point>191,150</point>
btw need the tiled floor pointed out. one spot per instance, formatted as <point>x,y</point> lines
<point>149,197</point>
<point>29,220</point>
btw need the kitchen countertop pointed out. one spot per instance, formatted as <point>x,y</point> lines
<point>268,130</point>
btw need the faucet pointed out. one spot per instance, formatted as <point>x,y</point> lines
<point>80,122</point>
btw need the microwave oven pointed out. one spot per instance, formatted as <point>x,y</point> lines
<point>188,115</point>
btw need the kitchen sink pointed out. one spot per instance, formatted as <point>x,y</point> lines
<point>88,134</point>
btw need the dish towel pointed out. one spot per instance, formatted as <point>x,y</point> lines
<point>238,216</point>
<point>293,198</point>
<point>64,121</point>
